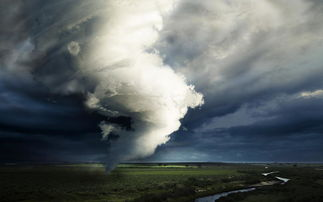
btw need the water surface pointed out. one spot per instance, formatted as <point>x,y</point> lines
<point>215,197</point>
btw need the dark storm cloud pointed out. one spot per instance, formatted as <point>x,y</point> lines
<point>238,59</point>
<point>42,148</point>
<point>258,64</point>
<point>259,67</point>
<point>37,123</point>
<point>289,117</point>
<point>39,126</point>
<point>287,128</point>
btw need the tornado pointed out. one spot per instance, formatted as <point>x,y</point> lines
<point>104,51</point>
<point>132,81</point>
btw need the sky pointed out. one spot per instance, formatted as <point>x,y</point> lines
<point>163,80</point>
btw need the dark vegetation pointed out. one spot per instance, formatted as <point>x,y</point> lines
<point>155,182</point>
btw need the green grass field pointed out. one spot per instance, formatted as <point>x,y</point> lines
<point>138,182</point>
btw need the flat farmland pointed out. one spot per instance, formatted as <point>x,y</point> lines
<point>133,182</point>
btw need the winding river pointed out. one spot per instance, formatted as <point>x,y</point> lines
<point>215,197</point>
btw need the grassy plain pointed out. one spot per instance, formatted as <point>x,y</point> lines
<point>143,182</point>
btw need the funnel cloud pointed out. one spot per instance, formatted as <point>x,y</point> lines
<point>117,71</point>
<point>133,81</point>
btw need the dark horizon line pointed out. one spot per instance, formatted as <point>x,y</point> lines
<point>160,162</point>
